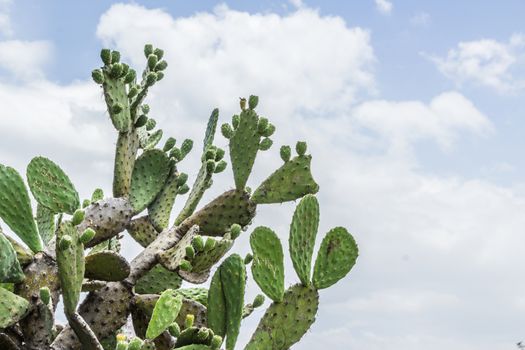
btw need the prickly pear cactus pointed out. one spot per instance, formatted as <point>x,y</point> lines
<point>69,247</point>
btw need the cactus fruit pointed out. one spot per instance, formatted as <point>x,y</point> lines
<point>72,250</point>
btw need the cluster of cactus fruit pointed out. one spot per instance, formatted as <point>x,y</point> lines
<point>71,247</point>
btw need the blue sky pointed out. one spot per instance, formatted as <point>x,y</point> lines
<point>414,115</point>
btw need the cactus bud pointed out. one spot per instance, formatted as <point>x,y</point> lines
<point>265,144</point>
<point>150,124</point>
<point>105,55</point>
<point>219,154</point>
<point>235,121</point>
<point>226,130</point>
<point>160,75</point>
<point>262,124</point>
<point>45,295</point>
<point>125,69</point>
<point>185,265</point>
<point>174,329</point>
<point>115,70</point>
<point>151,78</point>
<point>258,301</point>
<point>202,334</point>
<point>141,121</point>
<point>145,108</point>
<point>152,61</point>
<point>210,244</point>
<point>210,166</point>
<point>121,337</point>
<point>253,101</point>
<point>209,154</point>
<point>242,103</point>
<point>159,53</point>
<point>78,217</point>
<point>270,129</point>
<point>162,65</point>
<point>186,147</point>
<point>198,243</point>
<point>130,76</point>
<point>300,148</point>
<point>183,189</point>
<point>248,258</point>
<point>133,91</point>
<point>97,195</point>
<point>86,203</point>
<point>220,166</point>
<point>181,179</point>
<point>175,153</point>
<point>135,344</point>
<point>115,56</point>
<point>65,242</point>
<point>170,142</point>
<point>216,342</point>
<point>190,252</point>
<point>188,322</point>
<point>87,235</point>
<point>148,50</point>
<point>235,231</point>
<point>97,76</point>
<point>286,153</point>
<point>117,108</point>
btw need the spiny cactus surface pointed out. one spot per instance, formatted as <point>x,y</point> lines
<point>68,246</point>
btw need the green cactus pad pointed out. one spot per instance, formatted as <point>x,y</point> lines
<point>106,266</point>
<point>45,220</point>
<point>217,305</point>
<point>10,270</point>
<point>143,231</point>
<point>285,323</point>
<point>244,145</point>
<point>335,258</point>
<point>268,263</point>
<point>15,208</point>
<point>12,308</point>
<point>71,266</point>
<point>165,312</point>
<point>210,129</point>
<point>195,347</point>
<point>203,261</point>
<point>115,93</point>
<point>51,187</point>
<point>303,230</point>
<point>160,210</point>
<point>233,276</point>
<point>23,255</point>
<point>291,181</point>
<point>125,153</point>
<point>216,218</point>
<point>201,184</point>
<point>171,258</point>
<point>199,295</point>
<point>157,280</point>
<point>149,176</point>
<point>191,307</point>
<point>85,334</point>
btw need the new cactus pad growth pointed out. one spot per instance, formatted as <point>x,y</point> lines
<point>65,248</point>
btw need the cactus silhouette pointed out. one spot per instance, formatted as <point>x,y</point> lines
<point>71,246</point>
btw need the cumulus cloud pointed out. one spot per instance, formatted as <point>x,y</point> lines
<point>25,59</point>
<point>485,62</point>
<point>384,6</point>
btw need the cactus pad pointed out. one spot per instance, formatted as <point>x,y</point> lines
<point>165,312</point>
<point>233,276</point>
<point>157,280</point>
<point>51,187</point>
<point>199,295</point>
<point>172,257</point>
<point>45,220</point>
<point>217,305</point>
<point>149,175</point>
<point>303,230</point>
<point>159,211</point>
<point>142,231</point>
<point>15,207</point>
<point>291,181</point>
<point>286,322</point>
<point>106,266</point>
<point>268,264</point>
<point>335,258</point>
<point>116,95</point>
<point>203,261</point>
<point>10,270</point>
<point>12,308</point>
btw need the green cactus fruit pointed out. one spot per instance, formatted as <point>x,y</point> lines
<point>286,153</point>
<point>300,148</point>
<point>10,269</point>
<point>143,119</point>
<point>217,305</point>
<point>150,125</point>
<point>115,71</point>
<point>98,76</point>
<point>219,154</point>
<point>291,181</point>
<point>335,258</point>
<point>135,344</point>
<point>148,50</point>
<point>85,203</point>
<point>159,53</point>
<point>253,101</point>
<point>45,295</point>
<point>12,308</point>
<point>210,166</point>
<point>170,142</point>
<point>15,208</point>
<point>205,260</point>
<point>198,243</point>
<point>216,342</point>
<point>248,259</point>
<point>190,252</point>
<point>105,55</point>
<point>78,217</point>
<point>153,139</point>
<point>106,266</point>
<point>258,301</point>
<point>151,78</point>
<point>130,77</point>
<point>152,61</point>
<point>165,312</point>
<point>142,231</point>
<point>285,323</point>
<point>190,319</point>
<point>268,262</point>
<point>235,121</point>
<point>220,166</point>
<point>174,329</point>
<point>70,260</point>
<point>186,147</point>
<point>149,175</point>
<point>157,280</point>
<point>262,124</point>
<point>162,65</point>
<point>115,56</point>
<point>303,231</point>
<point>185,265</point>
<point>87,235</point>
<point>133,91</point>
<point>51,187</point>
<point>244,145</point>
<point>210,244</point>
<point>265,144</point>
<point>270,129</point>
<point>98,194</point>
<point>233,275</point>
<point>227,130</point>
<point>231,207</point>
<point>235,231</point>
<point>171,258</point>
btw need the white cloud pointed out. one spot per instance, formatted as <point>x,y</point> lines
<point>420,19</point>
<point>384,6</point>
<point>25,59</point>
<point>485,62</point>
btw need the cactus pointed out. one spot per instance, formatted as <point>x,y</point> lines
<point>68,250</point>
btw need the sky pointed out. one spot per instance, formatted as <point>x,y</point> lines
<point>413,112</point>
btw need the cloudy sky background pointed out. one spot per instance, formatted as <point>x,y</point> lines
<point>413,112</point>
